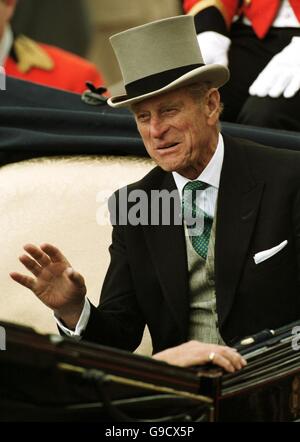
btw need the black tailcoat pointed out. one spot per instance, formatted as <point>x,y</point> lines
<point>147,280</point>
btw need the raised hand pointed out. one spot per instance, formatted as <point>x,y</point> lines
<point>55,282</point>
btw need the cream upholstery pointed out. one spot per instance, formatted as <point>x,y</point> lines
<point>61,201</point>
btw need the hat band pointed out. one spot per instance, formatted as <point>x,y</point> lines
<point>157,81</point>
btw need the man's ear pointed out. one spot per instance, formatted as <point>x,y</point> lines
<point>212,106</point>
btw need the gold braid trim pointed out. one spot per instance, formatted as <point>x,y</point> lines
<point>31,55</point>
<point>204,4</point>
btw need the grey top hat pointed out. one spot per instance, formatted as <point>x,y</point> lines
<point>161,56</point>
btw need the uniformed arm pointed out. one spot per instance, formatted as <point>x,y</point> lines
<point>212,21</point>
<point>212,15</point>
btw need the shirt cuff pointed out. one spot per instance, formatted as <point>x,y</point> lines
<point>81,324</point>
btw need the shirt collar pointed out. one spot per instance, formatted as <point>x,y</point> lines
<point>5,44</point>
<point>212,172</point>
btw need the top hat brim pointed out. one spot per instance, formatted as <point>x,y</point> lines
<point>217,75</point>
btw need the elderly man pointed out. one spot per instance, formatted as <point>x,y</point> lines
<point>39,63</point>
<point>227,267</point>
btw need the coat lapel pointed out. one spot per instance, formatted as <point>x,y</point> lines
<point>166,244</point>
<point>238,203</point>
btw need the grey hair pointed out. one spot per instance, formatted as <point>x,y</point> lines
<point>198,90</point>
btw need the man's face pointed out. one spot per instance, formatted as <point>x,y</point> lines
<point>178,131</point>
<point>7,8</point>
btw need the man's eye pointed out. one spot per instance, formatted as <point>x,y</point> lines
<point>142,117</point>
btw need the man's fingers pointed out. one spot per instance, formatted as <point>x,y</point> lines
<point>24,280</point>
<point>54,253</point>
<point>234,360</point>
<point>223,362</point>
<point>31,265</point>
<point>41,257</point>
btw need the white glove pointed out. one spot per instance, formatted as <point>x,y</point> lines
<point>214,47</point>
<point>281,75</point>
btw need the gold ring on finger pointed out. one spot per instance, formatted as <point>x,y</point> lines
<point>211,356</point>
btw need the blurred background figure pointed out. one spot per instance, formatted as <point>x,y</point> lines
<point>29,60</point>
<point>84,27</point>
<point>62,23</point>
<point>260,42</point>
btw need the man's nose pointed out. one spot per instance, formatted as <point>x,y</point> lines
<point>157,128</point>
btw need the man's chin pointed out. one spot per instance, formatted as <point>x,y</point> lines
<point>168,167</point>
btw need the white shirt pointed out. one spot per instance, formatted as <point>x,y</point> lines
<point>207,201</point>
<point>207,198</point>
<point>286,17</point>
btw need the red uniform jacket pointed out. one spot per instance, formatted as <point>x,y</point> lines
<point>50,66</point>
<point>261,13</point>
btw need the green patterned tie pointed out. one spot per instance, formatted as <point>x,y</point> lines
<point>199,236</point>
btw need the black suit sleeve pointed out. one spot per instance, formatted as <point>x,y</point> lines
<point>296,230</point>
<point>117,321</point>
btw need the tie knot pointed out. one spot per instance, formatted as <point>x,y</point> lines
<point>195,185</point>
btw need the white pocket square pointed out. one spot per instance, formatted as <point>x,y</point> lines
<point>266,254</point>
